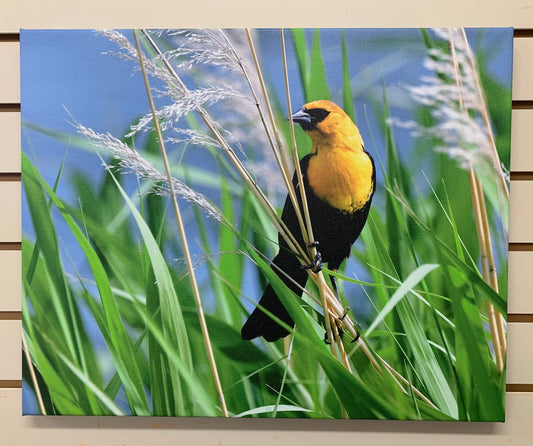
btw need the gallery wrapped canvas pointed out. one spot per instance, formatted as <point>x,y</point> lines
<point>296,223</point>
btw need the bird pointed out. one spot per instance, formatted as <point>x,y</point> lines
<point>339,179</point>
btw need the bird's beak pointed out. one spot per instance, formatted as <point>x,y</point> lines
<point>301,117</point>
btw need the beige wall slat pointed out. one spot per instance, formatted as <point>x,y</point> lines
<point>523,69</point>
<point>10,222</point>
<point>520,282</point>
<point>9,142</point>
<point>11,279</point>
<point>100,431</point>
<point>521,212</point>
<point>9,72</point>
<point>63,14</point>
<point>518,430</point>
<point>10,350</point>
<point>519,357</point>
<point>521,146</point>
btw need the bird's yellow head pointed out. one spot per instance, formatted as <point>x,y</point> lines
<point>326,123</point>
<point>340,172</point>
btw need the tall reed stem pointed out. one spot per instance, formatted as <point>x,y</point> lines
<point>37,389</point>
<point>486,252</point>
<point>183,236</point>
<point>488,265</point>
<point>278,151</point>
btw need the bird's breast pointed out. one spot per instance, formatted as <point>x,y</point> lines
<point>342,177</point>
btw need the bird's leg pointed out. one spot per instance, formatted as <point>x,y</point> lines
<point>345,313</point>
<point>316,264</point>
<point>334,285</point>
<point>359,328</point>
<point>358,331</point>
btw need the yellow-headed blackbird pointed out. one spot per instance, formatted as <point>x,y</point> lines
<point>339,179</point>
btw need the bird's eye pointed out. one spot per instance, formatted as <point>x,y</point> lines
<point>318,114</point>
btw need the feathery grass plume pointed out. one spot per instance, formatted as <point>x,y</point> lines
<point>457,103</point>
<point>224,56</point>
<point>214,65</point>
<point>182,104</point>
<point>183,100</point>
<point>129,159</point>
<point>202,46</point>
<point>129,53</point>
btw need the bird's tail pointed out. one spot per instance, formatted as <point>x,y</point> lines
<point>260,323</point>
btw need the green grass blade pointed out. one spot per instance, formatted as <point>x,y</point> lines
<point>427,365</point>
<point>318,87</point>
<point>272,409</point>
<point>347,96</point>
<point>300,49</point>
<point>171,314</point>
<point>231,262</point>
<point>481,387</point>
<point>106,401</point>
<point>312,71</point>
<point>121,348</point>
<point>405,288</point>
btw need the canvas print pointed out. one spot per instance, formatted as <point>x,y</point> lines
<point>278,223</point>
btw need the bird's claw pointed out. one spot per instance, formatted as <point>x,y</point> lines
<point>360,329</point>
<point>341,331</point>
<point>316,264</point>
<point>345,313</point>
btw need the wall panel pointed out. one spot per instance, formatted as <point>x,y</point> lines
<point>517,430</point>
<point>521,212</point>
<point>522,152</point>
<point>9,72</point>
<point>9,142</point>
<point>10,229</point>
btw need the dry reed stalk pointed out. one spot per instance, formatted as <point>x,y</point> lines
<point>488,265</point>
<point>484,240</point>
<point>274,140</point>
<point>397,376</point>
<point>492,275</point>
<point>33,376</point>
<point>183,236</point>
<point>277,149</point>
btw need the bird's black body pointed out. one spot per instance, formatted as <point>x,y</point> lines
<point>333,229</point>
<point>336,231</point>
